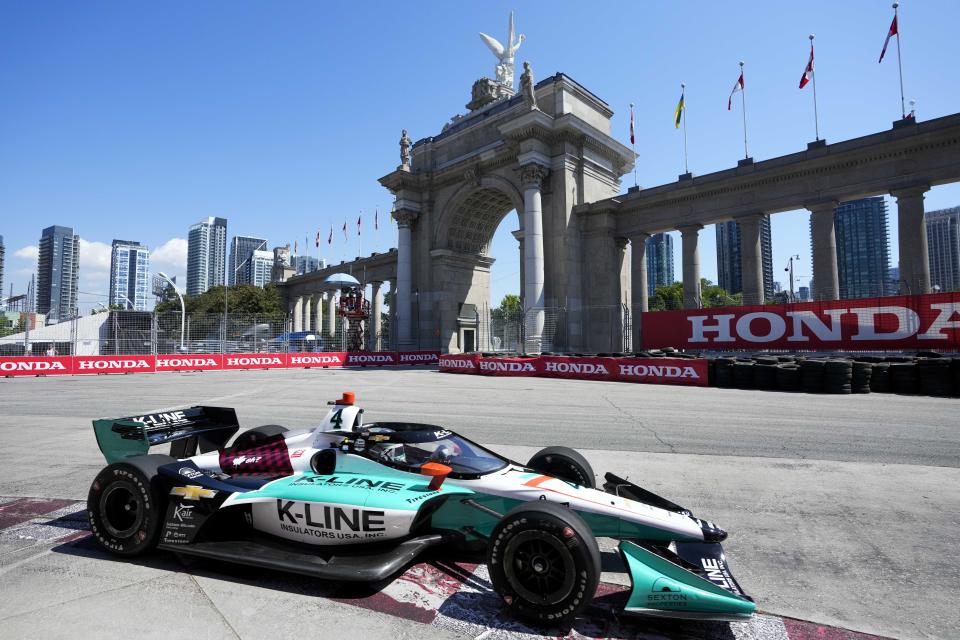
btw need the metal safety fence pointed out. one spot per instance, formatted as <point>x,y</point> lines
<point>144,333</point>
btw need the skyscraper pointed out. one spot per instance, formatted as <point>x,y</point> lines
<point>129,272</point>
<point>258,268</point>
<point>307,264</point>
<point>206,255</point>
<point>729,269</point>
<point>58,266</point>
<point>659,261</point>
<point>863,248</point>
<point>943,247</point>
<point>241,251</point>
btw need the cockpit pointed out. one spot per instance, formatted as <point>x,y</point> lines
<point>409,446</point>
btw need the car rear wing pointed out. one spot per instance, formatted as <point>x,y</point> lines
<point>193,430</point>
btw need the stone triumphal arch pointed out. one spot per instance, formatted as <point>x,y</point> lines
<point>541,153</point>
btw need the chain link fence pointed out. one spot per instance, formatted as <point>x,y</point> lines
<point>145,333</point>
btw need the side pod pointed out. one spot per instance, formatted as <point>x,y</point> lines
<point>664,589</point>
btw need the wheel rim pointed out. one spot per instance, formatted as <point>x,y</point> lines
<point>121,510</point>
<point>539,567</point>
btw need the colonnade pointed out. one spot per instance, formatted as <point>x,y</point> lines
<point>914,260</point>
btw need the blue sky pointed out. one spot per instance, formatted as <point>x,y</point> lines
<point>134,120</point>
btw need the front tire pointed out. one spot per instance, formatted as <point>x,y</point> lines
<point>544,563</point>
<point>126,505</point>
<point>564,463</point>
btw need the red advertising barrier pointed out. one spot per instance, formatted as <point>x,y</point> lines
<point>113,364</point>
<point>371,358</point>
<point>513,367</point>
<point>206,362</point>
<point>929,321</point>
<point>67,365</point>
<point>684,371</point>
<point>460,363</point>
<point>418,357</point>
<point>233,361</point>
<point>318,359</point>
<point>577,368</point>
<point>36,366</point>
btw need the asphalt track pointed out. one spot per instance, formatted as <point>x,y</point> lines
<point>843,511</point>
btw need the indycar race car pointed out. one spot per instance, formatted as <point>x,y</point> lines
<point>351,501</point>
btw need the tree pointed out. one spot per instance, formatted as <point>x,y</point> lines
<point>242,298</point>
<point>510,307</point>
<point>670,297</point>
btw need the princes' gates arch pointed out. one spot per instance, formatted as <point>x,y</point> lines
<point>553,160</point>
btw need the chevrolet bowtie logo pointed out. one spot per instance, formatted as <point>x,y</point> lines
<point>192,492</point>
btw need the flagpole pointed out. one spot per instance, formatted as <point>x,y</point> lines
<point>813,76</point>
<point>633,146</point>
<point>683,95</point>
<point>903,104</point>
<point>743,102</point>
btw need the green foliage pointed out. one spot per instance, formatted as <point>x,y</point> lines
<point>670,297</point>
<point>510,307</point>
<point>8,330</point>
<point>241,298</point>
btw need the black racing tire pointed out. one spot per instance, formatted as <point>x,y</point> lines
<point>544,563</point>
<point>126,505</point>
<point>252,437</point>
<point>564,463</point>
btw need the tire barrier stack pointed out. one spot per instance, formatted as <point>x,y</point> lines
<point>926,373</point>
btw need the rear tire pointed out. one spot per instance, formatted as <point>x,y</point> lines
<point>126,505</point>
<point>544,563</point>
<point>256,436</point>
<point>564,463</point>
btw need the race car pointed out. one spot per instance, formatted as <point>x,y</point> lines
<point>351,501</point>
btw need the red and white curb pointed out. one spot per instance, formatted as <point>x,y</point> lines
<point>454,596</point>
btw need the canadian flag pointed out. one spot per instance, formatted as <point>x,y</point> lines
<point>808,72</point>
<point>358,223</point>
<point>632,138</point>
<point>736,87</point>
<point>892,32</point>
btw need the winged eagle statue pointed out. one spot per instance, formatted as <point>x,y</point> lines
<point>505,54</point>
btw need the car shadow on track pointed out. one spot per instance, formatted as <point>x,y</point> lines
<point>452,592</point>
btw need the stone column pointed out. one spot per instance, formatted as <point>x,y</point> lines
<point>518,234</point>
<point>392,344</point>
<point>307,312</point>
<point>376,310</point>
<point>751,258</point>
<point>914,260</point>
<point>532,176</point>
<point>405,220</point>
<point>298,314</point>
<point>331,314</point>
<point>318,314</point>
<point>691,265</point>
<point>638,284</point>
<point>823,238</point>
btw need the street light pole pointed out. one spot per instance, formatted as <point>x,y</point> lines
<point>183,307</point>
<point>790,269</point>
